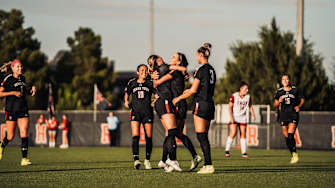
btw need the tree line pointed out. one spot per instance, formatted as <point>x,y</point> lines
<point>73,72</point>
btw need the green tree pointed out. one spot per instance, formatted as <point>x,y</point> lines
<point>261,63</point>
<point>80,68</point>
<point>17,42</point>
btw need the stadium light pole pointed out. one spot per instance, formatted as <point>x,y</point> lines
<point>152,27</point>
<point>300,28</point>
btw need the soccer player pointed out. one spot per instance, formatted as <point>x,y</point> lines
<point>203,111</point>
<point>141,90</point>
<point>239,106</point>
<point>65,127</point>
<point>52,126</point>
<point>15,90</point>
<point>165,110</point>
<point>177,76</point>
<point>289,101</point>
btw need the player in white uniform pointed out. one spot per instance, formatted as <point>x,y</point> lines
<point>239,106</point>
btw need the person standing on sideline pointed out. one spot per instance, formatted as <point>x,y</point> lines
<point>113,122</point>
<point>65,132</point>
<point>239,106</point>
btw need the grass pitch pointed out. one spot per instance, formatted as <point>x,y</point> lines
<point>113,167</point>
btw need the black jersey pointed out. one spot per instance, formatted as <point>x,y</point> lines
<point>164,90</point>
<point>141,94</point>
<point>177,83</point>
<point>291,99</point>
<point>207,76</point>
<point>13,103</point>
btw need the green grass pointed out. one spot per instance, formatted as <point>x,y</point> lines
<point>113,167</point>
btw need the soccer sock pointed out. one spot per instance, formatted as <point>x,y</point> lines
<point>288,144</point>
<point>205,147</point>
<point>24,147</point>
<point>292,142</point>
<point>188,144</point>
<point>228,143</point>
<point>148,147</point>
<point>135,146</point>
<point>243,143</point>
<point>171,144</point>
<point>4,142</point>
<point>165,150</point>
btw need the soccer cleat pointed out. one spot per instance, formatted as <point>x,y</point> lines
<point>2,149</point>
<point>227,154</point>
<point>161,164</point>
<point>244,155</point>
<point>147,164</point>
<point>168,169</point>
<point>137,164</point>
<point>174,164</point>
<point>195,162</point>
<point>208,169</point>
<point>294,158</point>
<point>25,162</point>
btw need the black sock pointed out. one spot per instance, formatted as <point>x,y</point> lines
<point>188,144</point>
<point>292,142</point>
<point>171,144</point>
<point>24,147</point>
<point>165,150</point>
<point>135,146</point>
<point>4,142</point>
<point>148,147</point>
<point>288,144</point>
<point>205,147</point>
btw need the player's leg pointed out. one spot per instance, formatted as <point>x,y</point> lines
<point>230,139</point>
<point>165,153</point>
<point>148,145</point>
<point>23,125</point>
<point>291,131</point>
<point>243,141</point>
<point>135,131</point>
<point>10,126</point>
<point>65,141</point>
<point>201,126</point>
<point>284,128</point>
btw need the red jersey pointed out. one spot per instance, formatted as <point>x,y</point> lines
<point>41,121</point>
<point>52,124</point>
<point>65,123</point>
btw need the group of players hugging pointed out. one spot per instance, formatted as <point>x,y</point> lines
<point>161,86</point>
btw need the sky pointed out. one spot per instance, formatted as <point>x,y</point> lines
<point>179,25</point>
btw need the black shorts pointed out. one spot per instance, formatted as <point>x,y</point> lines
<point>13,116</point>
<point>285,120</point>
<point>142,116</point>
<point>181,110</point>
<point>204,109</point>
<point>164,106</point>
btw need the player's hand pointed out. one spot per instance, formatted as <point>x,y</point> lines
<point>126,104</point>
<point>297,109</point>
<point>173,67</point>
<point>33,91</point>
<point>253,118</point>
<point>155,75</point>
<point>175,100</point>
<point>17,93</point>
<point>187,76</point>
<point>186,91</point>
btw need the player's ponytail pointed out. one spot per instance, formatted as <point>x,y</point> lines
<point>182,59</point>
<point>5,68</point>
<point>152,62</point>
<point>205,50</point>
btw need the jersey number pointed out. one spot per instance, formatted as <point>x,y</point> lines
<point>211,79</point>
<point>140,94</point>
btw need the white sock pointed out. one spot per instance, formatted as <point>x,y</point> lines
<point>228,143</point>
<point>243,143</point>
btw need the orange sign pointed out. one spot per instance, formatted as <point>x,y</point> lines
<point>41,134</point>
<point>252,135</point>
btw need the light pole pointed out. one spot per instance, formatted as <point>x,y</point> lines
<point>300,28</point>
<point>152,27</point>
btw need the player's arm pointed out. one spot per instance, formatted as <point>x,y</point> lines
<point>297,108</point>
<point>189,92</point>
<point>3,93</point>
<point>126,100</point>
<point>251,109</point>
<point>178,68</point>
<point>165,78</point>
<point>230,110</point>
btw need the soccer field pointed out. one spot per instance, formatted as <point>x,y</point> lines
<point>113,167</point>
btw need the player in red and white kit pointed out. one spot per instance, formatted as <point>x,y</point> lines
<point>52,125</point>
<point>239,106</point>
<point>65,127</point>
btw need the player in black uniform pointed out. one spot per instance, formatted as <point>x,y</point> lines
<point>141,90</point>
<point>165,110</point>
<point>203,88</point>
<point>15,90</point>
<point>289,101</point>
<point>178,75</point>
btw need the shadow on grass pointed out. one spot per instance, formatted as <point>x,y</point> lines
<point>260,170</point>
